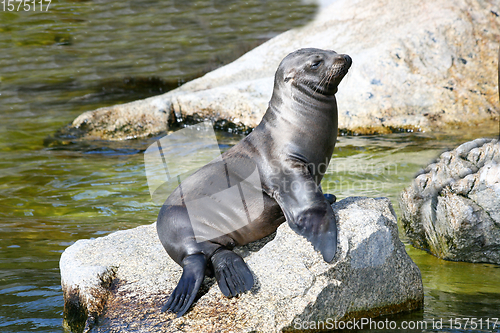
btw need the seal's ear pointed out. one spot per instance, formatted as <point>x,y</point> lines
<point>289,76</point>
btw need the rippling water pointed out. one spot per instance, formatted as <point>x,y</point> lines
<point>78,56</point>
<point>81,55</point>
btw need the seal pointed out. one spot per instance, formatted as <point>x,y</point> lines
<point>273,175</point>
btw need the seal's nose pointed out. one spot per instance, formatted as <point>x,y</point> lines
<point>348,59</point>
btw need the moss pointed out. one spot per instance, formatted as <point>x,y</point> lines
<point>75,313</point>
<point>372,130</point>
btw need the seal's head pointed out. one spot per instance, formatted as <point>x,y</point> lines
<point>313,71</point>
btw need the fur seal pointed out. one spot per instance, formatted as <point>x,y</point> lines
<point>288,154</point>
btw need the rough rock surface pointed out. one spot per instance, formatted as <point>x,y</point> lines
<point>122,280</point>
<point>452,209</point>
<point>417,64</point>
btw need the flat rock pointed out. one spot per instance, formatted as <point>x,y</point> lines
<point>452,209</point>
<point>119,283</point>
<point>417,65</point>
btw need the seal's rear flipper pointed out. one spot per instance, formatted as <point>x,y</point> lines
<point>192,276</point>
<point>232,274</point>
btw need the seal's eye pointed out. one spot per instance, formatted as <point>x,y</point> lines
<point>316,63</point>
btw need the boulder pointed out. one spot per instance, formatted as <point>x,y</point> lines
<point>452,209</point>
<point>119,283</point>
<point>417,65</point>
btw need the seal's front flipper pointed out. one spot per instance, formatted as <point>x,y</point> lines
<point>317,224</point>
<point>330,198</point>
<point>193,272</point>
<point>306,209</point>
<point>232,274</point>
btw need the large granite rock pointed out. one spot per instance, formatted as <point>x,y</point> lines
<point>417,64</point>
<point>118,283</point>
<point>452,209</point>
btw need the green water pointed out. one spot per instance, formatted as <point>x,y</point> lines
<point>80,55</point>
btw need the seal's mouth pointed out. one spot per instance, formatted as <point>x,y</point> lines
<point>336,71</point>
<point>329,82</point>
<point>339,68</point>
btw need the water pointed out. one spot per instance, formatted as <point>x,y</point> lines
<point>81,55</point>
<point>78,56</point>
<point>384,165</point>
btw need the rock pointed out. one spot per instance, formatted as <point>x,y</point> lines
<point>413,68</point>
<point>125,121</point>
<point>121,281</point>
<point>452,209</point>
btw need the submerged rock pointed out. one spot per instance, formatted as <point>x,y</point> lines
<point>413,68</point>
<point>452,209</point>
<point>120,282</point>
